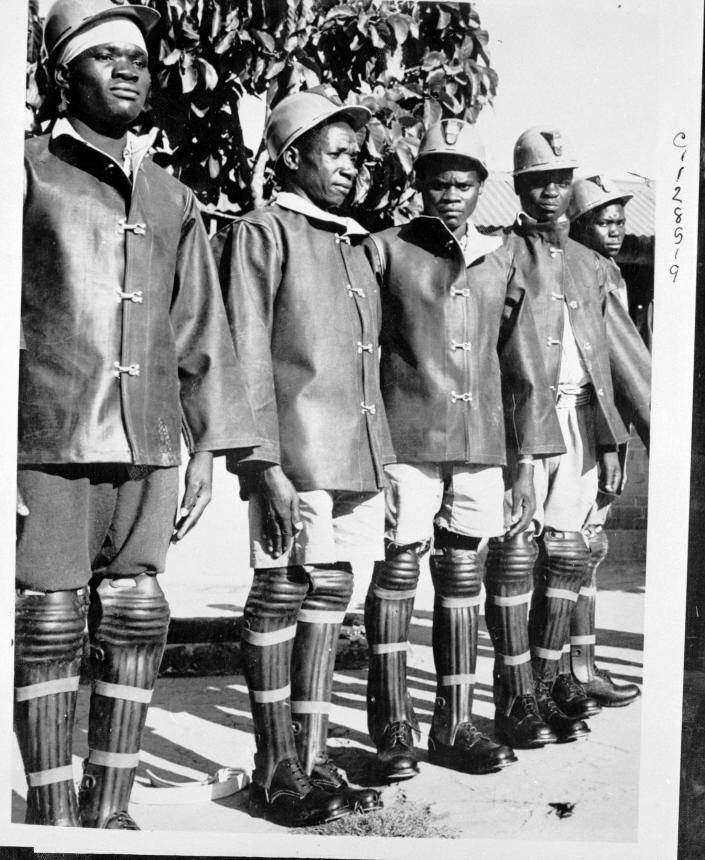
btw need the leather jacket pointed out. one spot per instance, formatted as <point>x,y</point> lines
<point>304,313</point>
<point>556,271</point>
<point>455,338</point>
<point>127,343</point>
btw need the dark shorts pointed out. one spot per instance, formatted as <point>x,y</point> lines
<point>106,519</point>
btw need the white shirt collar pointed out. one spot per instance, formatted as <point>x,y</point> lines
<point>297,203</point>
<point>475,245</point>
<point>139,145</point>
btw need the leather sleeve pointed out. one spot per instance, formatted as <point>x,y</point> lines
<point>630,363</point>
<point>532,425</point>
<point>216,413</point>
<point>250,274</point>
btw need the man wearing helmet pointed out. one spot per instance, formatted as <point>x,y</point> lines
<point>304,313</point>
<point>596,213</point>
<point>573,294</point>
<point>125,342</point>
<point>456,337</point>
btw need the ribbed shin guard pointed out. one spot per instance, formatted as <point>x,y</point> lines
<point>388,608</point>
<point>49,631</point>
<point>269,627</point>
<point>508,583</point>
<point>127,627</point>
<point>582,622</point>
<point>313,659</point>
<point>561,568</point>
<point>457,580</point>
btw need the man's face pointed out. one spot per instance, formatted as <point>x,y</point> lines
<point>545,195</point>
<point>604,229</point>
<point>450,191</point>
<point>108,85</point>
<point>325,167</point>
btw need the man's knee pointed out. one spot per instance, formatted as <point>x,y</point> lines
<point>128,611</point>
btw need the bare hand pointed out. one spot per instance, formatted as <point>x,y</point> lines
<point>280,509</point>
<point>523,500</point>
<point>197,493</point>
<point>610,473</point>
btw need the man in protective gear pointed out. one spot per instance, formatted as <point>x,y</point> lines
<point>460,363</point>
<point>124,343</point>
<point>303,306</point>
<point>573,295</point>
<point>597,220</point>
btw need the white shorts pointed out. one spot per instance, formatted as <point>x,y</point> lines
<point>337,526</point>
<point>464,499</point>
<point>566,486</point>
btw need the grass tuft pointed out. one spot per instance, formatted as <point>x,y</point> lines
<point>403,818</point>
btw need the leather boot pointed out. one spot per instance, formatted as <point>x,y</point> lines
<point>604,690</point>
<point>49,631</point>
<point>388,608</point>
<point>127,624</point>
<point>290,798</point>
<point>453,741</point>
<point>523,727</point>
<point>312,666</point>
<point>566,728</point>
<point>510,565</point>
<point>569,695</point>
<point>280,789</point>
<point>597,683</point>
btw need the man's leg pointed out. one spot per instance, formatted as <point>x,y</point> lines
<point>313,663</point>
<point>510,564</point>
<point>128,620</point>
<point>457,571</point>
<point>473,502</point>
<point>281,788</point>
<point>562,565</point>
<point>54,549</point>
<point>49,629</point>
<point>413,497</point>
<point>597,683</point>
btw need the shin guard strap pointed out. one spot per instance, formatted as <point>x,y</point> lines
<point>310,707</point>
<point>113,759</point>
<point>265,697</point>
<point>47,688</point>
<point>271,637</point>
<point>51,776</point>
<point>122,691</point>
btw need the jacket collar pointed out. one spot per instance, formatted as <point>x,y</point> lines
<point>473,245</point>
<point>551,231</point>
<point>296,203</point>
<point>138,145</point>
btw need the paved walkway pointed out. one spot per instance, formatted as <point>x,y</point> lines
<point>197,725</point>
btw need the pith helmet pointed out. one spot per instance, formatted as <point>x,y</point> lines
<point>67,17</point>
<point>592,193</point>
<point>542,148</point>
<point>298,113</point>
<point>454,137</point>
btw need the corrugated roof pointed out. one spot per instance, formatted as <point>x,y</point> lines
<point>499,205</point>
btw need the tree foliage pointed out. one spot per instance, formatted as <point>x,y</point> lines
<point>410,63</point>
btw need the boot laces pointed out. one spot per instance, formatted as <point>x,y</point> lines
<point>298,775</point>
<point>469,733</point>
<point>571,686</point>
<point>528,704</point>
<point>602,673</point>
<point>400,733</point>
